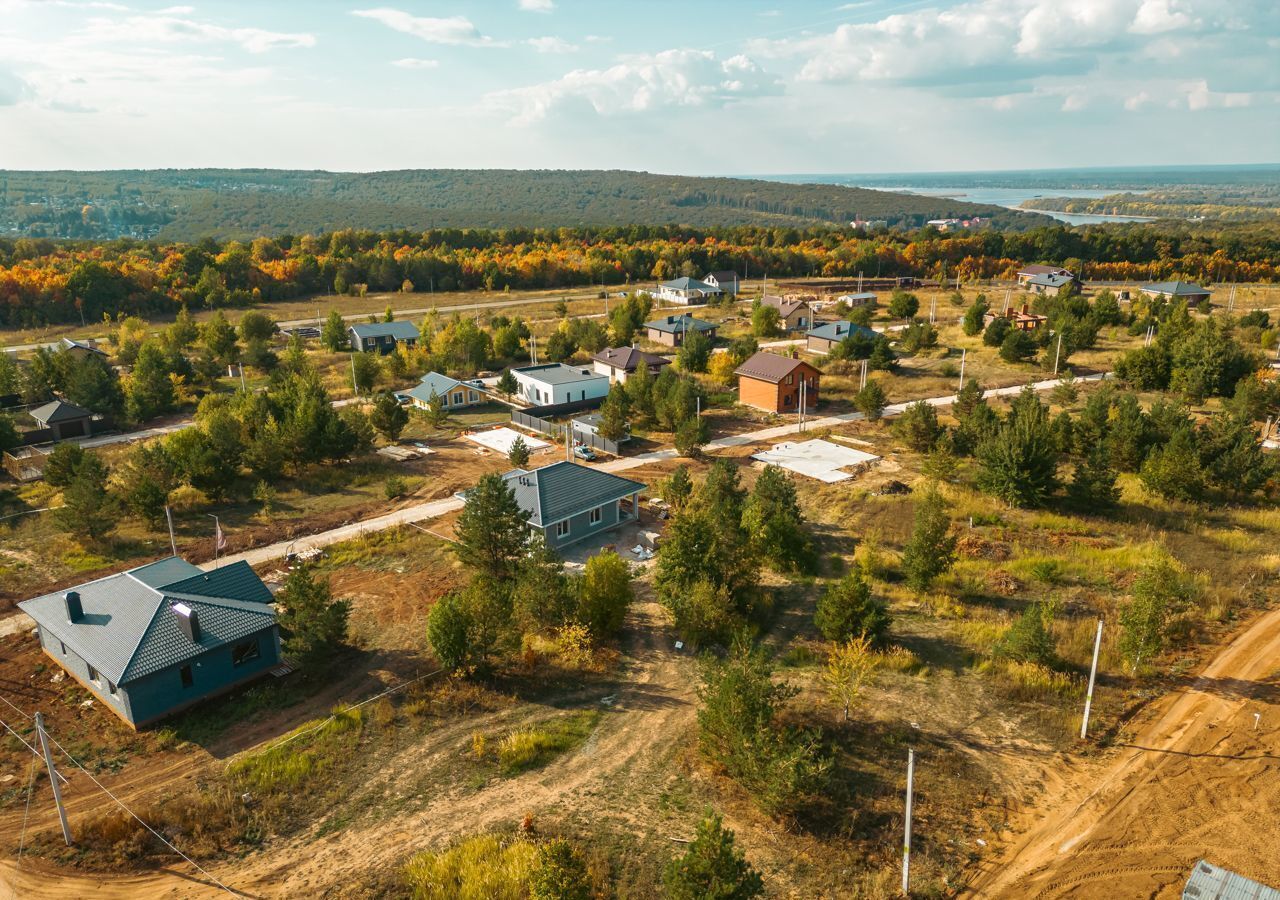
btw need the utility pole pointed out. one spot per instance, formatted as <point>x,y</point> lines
<point>1093,674</point>
<point>933,310</point>
<point>217,538</point>
<point>906,842</point>
<point>355,389</point>
<point>173,544</point>
<point>1006,301</point>
<point>1057,355</point>
<point>53,778</point>
<point>242,385</point>
<point>964,352</point>
<point>864,375</point>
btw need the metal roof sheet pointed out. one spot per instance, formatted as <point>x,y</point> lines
<point>565,489</point>
<point>769,367</point>
<point>628,359</point>
<point>399,330</point>
<point>59,411</point>
<point>683,322</point>
<point>558,373</point>
<point>685,283</point>
<point>432,383</point>
<point>1210,882</point>
<point>1175,288</point>
<point>127,630</point>
<point>838,331</point>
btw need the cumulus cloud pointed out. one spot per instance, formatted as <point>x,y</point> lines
<point>1199,96</point>
<point>414,63</point>
<point>450,30</point>
<point>13,90</point>
<point>551,45</point>
<point>538,6</point>
<point>643,83</point>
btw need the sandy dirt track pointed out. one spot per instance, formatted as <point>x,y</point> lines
<point>1197,781</point>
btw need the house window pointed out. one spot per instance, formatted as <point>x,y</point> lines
<point>185,673</point>
<point>94,676</point>
<point>457,399</point>
<point>243,653</point>
<point>791,379</point>
<point>63,647</point>
<point>562,528</point>
<point>111,688</point>
<point>596,515</point>
<point>787,400</point>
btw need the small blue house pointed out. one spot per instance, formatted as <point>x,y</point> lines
<point>568,502</point>
<point>156,639</point>
<point>382,336</point>
<point>823,338</point>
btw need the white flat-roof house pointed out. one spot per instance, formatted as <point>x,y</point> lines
<point>551,383</point>
<point>687,291</point>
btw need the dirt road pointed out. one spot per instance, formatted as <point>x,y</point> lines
<point>1197,781</point>
<point>619,771</point>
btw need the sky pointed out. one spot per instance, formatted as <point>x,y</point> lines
<point>674,86</point>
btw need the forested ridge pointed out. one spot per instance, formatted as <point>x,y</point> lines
<point>44,281</point>
<point>188,204</point>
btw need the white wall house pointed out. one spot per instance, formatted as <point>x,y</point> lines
<point>686,290</point>
<point>550,383</point>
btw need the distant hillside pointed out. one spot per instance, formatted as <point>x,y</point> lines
<point>187,204</point>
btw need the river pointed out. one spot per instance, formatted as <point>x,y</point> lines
<point>1013,198</point>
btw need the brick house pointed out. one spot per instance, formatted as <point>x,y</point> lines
<point>773,383</point>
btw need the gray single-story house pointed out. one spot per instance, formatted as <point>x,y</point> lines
<point>153,640</point>
<point>569,502</point>
<point>454,393</point>
<point>1051,284</point>
<point>823,337</point>
<point>80,348</point>
<point>64,420</point>
<point>1176,290</point>
<point>382,336</point>
<point>620,363</point>
<point>670,330</point>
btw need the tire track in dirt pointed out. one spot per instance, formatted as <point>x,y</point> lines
<point>651,712</point>
<point>1197,781</point>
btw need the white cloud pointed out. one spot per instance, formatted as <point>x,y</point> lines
<point>13,89</point>
<point>159,28</point>
<point>451,30</point>
<point>1157,17</point>
<point>1075,101</point>
<point>551,45</point>
<point>538,6</point>
<point>413,63</point>
<point>672,78</point>
<point>1200,97</point>
<point>1137,101</point>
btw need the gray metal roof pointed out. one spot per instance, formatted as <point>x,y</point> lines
<point>685,283</point>
<point>432,383</point>
<point>784,306</point>
<point>1210,882</point>
<point>1038,269</point>
<point>558,373</point>
<point>128,631</point>
<point>838,331</point>
<point>682,322</point>
<point>71,343</point>
<point>1051,279</point>
<point>58,411</point>
<point>1176,288</point>
<point>401,331</point>
<point>563,489</point>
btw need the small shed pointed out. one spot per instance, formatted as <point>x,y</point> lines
<point>63,420</point>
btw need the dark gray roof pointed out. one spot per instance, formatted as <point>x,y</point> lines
<point>628,358</point>
<point>72,344</point>
<point>401,331</point>
<point>1038,269</point>
<point>784,306</point>
<point>558,373</point>
<point>433,383</point>
<point>565,489</point>
<point>58,411</point>
<point>683,322</point>
<point>1210,882</point>
<point>1175,288</point>
<point>128,630</point>
<point>838,331</point>
<point>769,367</point>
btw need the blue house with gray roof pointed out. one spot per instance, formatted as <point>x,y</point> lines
<point>156,639</point>
<point>568,502</point>
<point>382,336</point>
<point>825,336</point>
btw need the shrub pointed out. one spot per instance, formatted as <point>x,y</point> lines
<point>918,426</point>
<point>604,594</point>
<point>847,610</point>
<point>713,868</point>
<point>561,874</point>
<point>485,867</point>
<point>395,487</point>
<point>1028,640</point>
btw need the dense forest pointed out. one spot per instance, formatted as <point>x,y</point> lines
<point>44,281</point>
<point>188,204</point>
